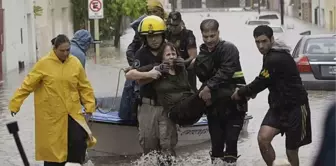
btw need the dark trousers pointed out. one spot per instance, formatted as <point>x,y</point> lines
<point>77,137</point>
<point>225,124</point>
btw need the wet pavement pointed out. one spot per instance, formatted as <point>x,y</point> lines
<point>104,80</point>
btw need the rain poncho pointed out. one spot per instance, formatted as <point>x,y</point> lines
<point>80,44</point>
<point>58,89</point>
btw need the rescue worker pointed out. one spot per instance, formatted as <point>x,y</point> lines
<point>154,7</point>
<point>59,83</point>
<point>184,40</point>
<point>218,68</point>
<point>152,30</point>
<point>130,96</point>
<point>289,111</point>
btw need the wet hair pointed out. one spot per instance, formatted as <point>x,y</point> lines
<point>263,30</point>
<point>60,39</point>
<point>171,46</point>
<point>53,41</point>
<point>209,25</point>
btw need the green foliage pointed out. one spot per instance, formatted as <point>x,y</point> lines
<point>38,10</point>
<point>114,11</point>
<point>79,13</point>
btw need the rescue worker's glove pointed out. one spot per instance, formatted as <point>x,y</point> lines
<point>179,62</point>
<point>163,67</point>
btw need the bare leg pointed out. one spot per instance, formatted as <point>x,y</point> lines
<point>265,137</point>
<point>293,157</point>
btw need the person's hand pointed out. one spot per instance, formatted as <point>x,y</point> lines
<point>127,69</point>
<point>235,95</point>
<point>208,102</point>
<point>163,67</point>
<point>13,113</point>
<point>88,116</point>
<point>179,62</point>
<point>155,74</point>
<point>205,94</point>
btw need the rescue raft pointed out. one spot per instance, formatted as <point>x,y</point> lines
<point>120,137</point>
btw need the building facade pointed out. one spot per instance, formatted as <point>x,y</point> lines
<point>56,19</point>
<point>17,33</point>
<point>330,15</point>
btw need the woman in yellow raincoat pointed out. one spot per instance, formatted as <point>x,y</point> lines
<point>60,84</point>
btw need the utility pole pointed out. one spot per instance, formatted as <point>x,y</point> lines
<point>282,11</point>
<point>258,6</point>
<point>173,5</point>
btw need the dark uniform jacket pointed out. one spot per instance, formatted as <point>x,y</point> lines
<point>280,75</point>
<point>220,69</point>
<point>184,41</point>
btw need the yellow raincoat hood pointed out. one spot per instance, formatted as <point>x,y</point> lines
<point>58,89</point>
<point>153,4</point>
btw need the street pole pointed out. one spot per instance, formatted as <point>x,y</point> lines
<point>282,11</point>
<point>173,5</point>
<point>96,36</point>
<point>258,6</point>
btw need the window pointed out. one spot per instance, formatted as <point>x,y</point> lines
<point>21,35</point>
<point>258,23</point>
<point>269,17</point>
<point>277,29</point>
<point>296,50</point>
<point>325,46</point>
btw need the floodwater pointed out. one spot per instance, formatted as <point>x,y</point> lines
<point>104,80</point>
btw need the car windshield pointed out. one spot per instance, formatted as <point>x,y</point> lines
<point>258,23</point>
<point>320,46</point>
<point>277,30</point>
<point>269,17</point>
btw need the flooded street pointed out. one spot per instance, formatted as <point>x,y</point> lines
<point>104,80</point>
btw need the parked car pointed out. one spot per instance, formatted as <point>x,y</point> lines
<point>315,56</point>
<point>268,17</point>
<point>257,22</point>
<point>278,31</point>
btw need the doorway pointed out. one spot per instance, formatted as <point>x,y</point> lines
<point>331,20</point>
<point>316,15</point>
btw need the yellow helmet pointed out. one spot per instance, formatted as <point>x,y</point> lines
<point>152,25</point>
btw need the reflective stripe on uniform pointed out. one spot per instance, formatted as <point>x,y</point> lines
<point>238,74</point>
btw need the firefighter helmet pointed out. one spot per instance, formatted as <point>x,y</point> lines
<point>152,25</point>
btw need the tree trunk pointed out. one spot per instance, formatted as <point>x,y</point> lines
<point>117,31</point>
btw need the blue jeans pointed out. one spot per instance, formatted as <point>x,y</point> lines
<point>128,100</point>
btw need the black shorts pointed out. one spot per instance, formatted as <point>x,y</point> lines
<point>296,124</point>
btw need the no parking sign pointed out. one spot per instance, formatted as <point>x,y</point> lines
<point>96,10</point>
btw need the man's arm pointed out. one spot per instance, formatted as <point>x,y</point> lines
<point>229,57</point>
<point>132,49</point>
<point>191,46</point>
<point>139,62</point>
<point>263,80</point>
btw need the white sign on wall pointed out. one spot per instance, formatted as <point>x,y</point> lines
<point>96,10</point>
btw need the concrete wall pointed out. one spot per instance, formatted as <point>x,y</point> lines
<point>19,33</point>
<point>56,19</point>
<point>330,15</point>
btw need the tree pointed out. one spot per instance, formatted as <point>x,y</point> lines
<point>38,10</point>
<point>114,11</point>
<point>80,14</point>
